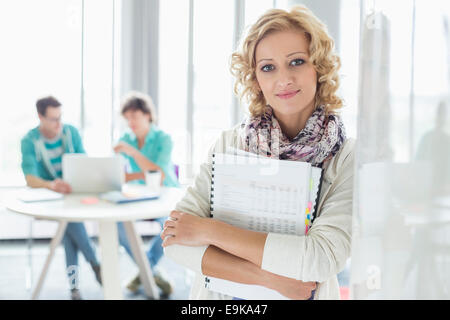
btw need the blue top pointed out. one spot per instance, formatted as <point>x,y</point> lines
<point>41,157</point>
<point>158,149</point>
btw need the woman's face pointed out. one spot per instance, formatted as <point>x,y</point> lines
<point>137,120</point>
<point>284,74</point>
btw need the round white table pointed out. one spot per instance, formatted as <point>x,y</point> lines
<point>73,209</point>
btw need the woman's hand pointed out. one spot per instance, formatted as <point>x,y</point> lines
<point>125,148</point>
<point>288,287</point>
<point>186,229</point>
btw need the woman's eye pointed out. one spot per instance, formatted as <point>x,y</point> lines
<point>297,62</point>
<point>268,67</point>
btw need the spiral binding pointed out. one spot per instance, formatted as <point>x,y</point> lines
<point>211,204</point>
<point>311,210</point>
<point>317,198</point>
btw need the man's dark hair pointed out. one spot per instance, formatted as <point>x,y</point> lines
<point>43,103</point>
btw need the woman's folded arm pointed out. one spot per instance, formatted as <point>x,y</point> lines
<point>324,251</point>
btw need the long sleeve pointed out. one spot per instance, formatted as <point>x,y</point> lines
<point>29,162</point>
<point>323,252</point>
<point>196,202</point>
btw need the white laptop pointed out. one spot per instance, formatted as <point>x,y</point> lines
<point>93,174</point>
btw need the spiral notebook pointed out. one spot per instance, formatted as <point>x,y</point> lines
<point>261,194</point>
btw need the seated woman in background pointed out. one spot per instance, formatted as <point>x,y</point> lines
<point>146,148</point>
<point>288,71</point>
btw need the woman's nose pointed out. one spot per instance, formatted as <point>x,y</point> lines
<point>285,78</point>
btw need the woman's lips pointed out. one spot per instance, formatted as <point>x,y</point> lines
<point>287,94</point>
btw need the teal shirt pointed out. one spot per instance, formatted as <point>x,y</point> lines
<point>158,149</point>
<point>55,151</point>
<point>36,159</point>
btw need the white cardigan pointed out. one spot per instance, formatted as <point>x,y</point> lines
<point>318,256</point>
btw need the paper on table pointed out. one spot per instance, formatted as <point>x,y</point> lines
<point>39,194</point>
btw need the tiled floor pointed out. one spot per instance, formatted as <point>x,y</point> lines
<point>15,276</point>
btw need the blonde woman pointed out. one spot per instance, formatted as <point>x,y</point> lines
<point>287,70</point>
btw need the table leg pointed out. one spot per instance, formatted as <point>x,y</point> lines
<point>108,239</point>
<point>29,271</point>
<point>53,245</point>
<point>145,272</point>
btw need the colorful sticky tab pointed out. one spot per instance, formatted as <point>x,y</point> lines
<point>306,222</point>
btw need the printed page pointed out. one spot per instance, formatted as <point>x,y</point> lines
<point>261,194</point>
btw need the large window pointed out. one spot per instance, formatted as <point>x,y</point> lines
<point>349,53</point>
<point>431,79</point>
<point>195,81</point>
<point>255,8</point>
<point>41,55</point>
<point>173,78</point>
<point>70,49</point>
<point>60,48</point>
<point>212,90</point>
<point>100,73</point>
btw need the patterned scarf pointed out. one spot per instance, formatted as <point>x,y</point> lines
<point>320,140</point>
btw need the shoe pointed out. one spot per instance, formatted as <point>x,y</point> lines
<point>165,285</point>
<point>134,284</point>
<point>97,272</point>
<point>75,294</point>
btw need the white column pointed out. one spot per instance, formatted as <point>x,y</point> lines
<point>145,273</point>
<point>108,239</point>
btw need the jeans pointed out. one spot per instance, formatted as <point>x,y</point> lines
<point>155,251</point>
<point>76,239</point>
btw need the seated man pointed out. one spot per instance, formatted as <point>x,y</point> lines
<point>42,150</point>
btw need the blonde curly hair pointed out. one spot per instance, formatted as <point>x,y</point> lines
<point>321,50</point>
